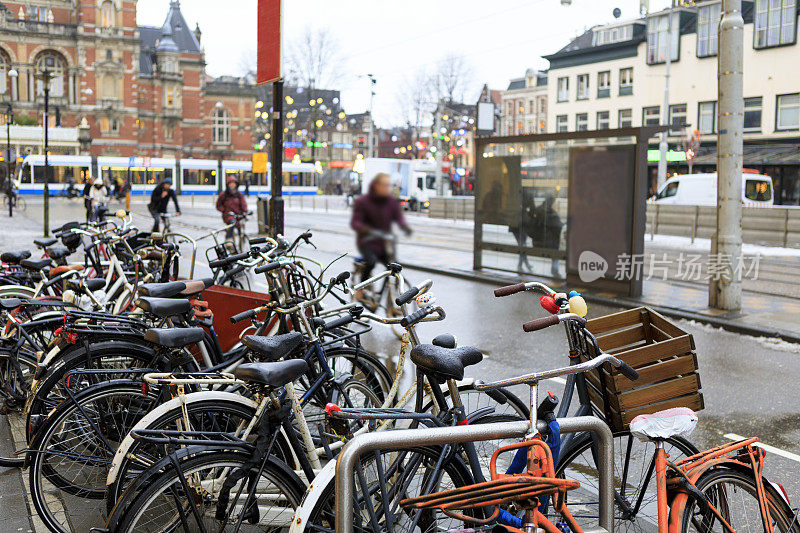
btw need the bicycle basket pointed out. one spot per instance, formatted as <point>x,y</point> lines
<point>660,351</point>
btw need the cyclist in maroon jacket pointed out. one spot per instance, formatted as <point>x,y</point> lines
<point>231,202</point>
<point>373,216</point>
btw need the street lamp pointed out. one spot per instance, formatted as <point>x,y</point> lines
<point>12,74</point>
<point>45,76</point>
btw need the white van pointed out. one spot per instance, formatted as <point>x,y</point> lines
<point>413,179</point>
<point>701,189</point>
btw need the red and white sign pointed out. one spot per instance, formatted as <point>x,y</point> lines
<point>269,41</point>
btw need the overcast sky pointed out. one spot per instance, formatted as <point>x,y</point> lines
<point>391,38</point>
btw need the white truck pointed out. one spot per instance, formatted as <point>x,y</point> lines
<point>414,180</point>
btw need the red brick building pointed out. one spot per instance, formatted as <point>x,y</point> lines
<point>143,90</point>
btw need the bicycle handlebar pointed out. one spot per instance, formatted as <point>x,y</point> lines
<point>519,287</point>
<point>547,321</point>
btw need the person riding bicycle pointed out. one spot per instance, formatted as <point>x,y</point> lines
<point>230,203</point>
<point>98,196</point>
<point>159,200</point>
<point>375,213</point>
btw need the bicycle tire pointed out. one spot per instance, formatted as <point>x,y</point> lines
<point>577,462</point>
<point>276,473</point>
<point>126,471</point>
<point>729,482</point>
<point>322,516</point>
<point>70,461</point>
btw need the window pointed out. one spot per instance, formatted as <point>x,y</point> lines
<point>170,98</point>
<point>613,35</point>
<point>109,125</point>
<point>563,90</point>
<point>707,30</point>
<point>53,63</point>
<point>657,29</point>
<point>221,129</point>
<point>604,84</point>
<point>107,14</point>
<point>774,22</point>
<point>625,81</point>
<point>543,105</point>
<point>752,114</point>
<point>532,107</point>
<point>581,122</point>
<point>707,117</point>
<point>583,86</point>
<point>561,123</point>
<point>625,118</point>
<point>788,112</point>
<point>677,118</point>
<point>109,55</point>
<point>670,190</point>
<point>651,116</point>
<point>603,121</point>
<point>758,190</point>
<point>5,81</point>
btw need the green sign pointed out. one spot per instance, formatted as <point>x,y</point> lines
<point>672,155</point>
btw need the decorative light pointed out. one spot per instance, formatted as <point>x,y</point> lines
<point>445,117</point>
<point>258,113</point>
<point>296,159</point>
<point>264,115</point>
<point>267,135</point>
<point>341,114</point>
<point>299,133</point>
<point>259,104</point>
<point>289,100</point>
<point>327,111</point>
<point>285,130</point>
<point>319,123</point>
<point>319,100</point>
<point>312,103</point>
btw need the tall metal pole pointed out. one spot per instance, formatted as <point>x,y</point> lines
<point>276,182</point>
<point>9,118</point>
<point>46,82</point>
<point>371,141</point>
<point>437,126</point>
<point>725,285</point>
<point>662,145</point>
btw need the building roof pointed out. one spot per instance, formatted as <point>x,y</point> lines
<point>516,83</point>
<point>173,36</point>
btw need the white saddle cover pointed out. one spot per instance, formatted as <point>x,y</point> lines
<point>675,422</point>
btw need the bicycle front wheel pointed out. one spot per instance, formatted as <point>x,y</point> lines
<point>382,480</point>
<point>189,500</point>
<point>734,494</point>
<point>635,505</point>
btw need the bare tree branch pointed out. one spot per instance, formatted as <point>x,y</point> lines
<point>415,97</point>
<point>454,76</point>
<point>314,59</point>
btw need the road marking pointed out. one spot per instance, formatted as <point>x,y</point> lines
<point>770,449</point>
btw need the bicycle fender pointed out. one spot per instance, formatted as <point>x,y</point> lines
<point>324,478</point>
<point>162,409</point>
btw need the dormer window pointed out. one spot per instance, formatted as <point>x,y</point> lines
<point>616,34</point>
<point>657,29</point>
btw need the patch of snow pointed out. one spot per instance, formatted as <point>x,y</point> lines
<point>704,245</point>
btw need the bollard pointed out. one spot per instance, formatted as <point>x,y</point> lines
<point>695,222</point>
<point>192,199</point>
<point>326,204</point>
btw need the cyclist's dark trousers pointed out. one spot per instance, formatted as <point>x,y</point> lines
<point>156,214</point>
<point>370,256</point>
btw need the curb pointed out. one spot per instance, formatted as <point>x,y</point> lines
<point>727,325</point>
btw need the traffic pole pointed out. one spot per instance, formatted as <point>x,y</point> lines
<point>725,285</point>
<point>662,145</point>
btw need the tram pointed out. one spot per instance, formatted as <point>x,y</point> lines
<point>194,176</point>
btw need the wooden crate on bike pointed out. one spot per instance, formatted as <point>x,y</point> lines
<point>661,352</point>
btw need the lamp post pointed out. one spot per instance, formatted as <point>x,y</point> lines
<point>220,185</point>
<point>45,76</point>
<point>12,74</point>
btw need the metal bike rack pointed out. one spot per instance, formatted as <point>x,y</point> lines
<point>405,438</point>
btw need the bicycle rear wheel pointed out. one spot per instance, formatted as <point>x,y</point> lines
<point>635,506</point>
<point>166,504</point>
<point>734,494</point>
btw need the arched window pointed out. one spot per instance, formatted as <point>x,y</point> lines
<point>55,64</point>
<point>5,81</point>
<point>107,14</point>
<point>221,128</point>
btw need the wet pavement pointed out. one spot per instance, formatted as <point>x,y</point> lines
<point>749,384</point>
